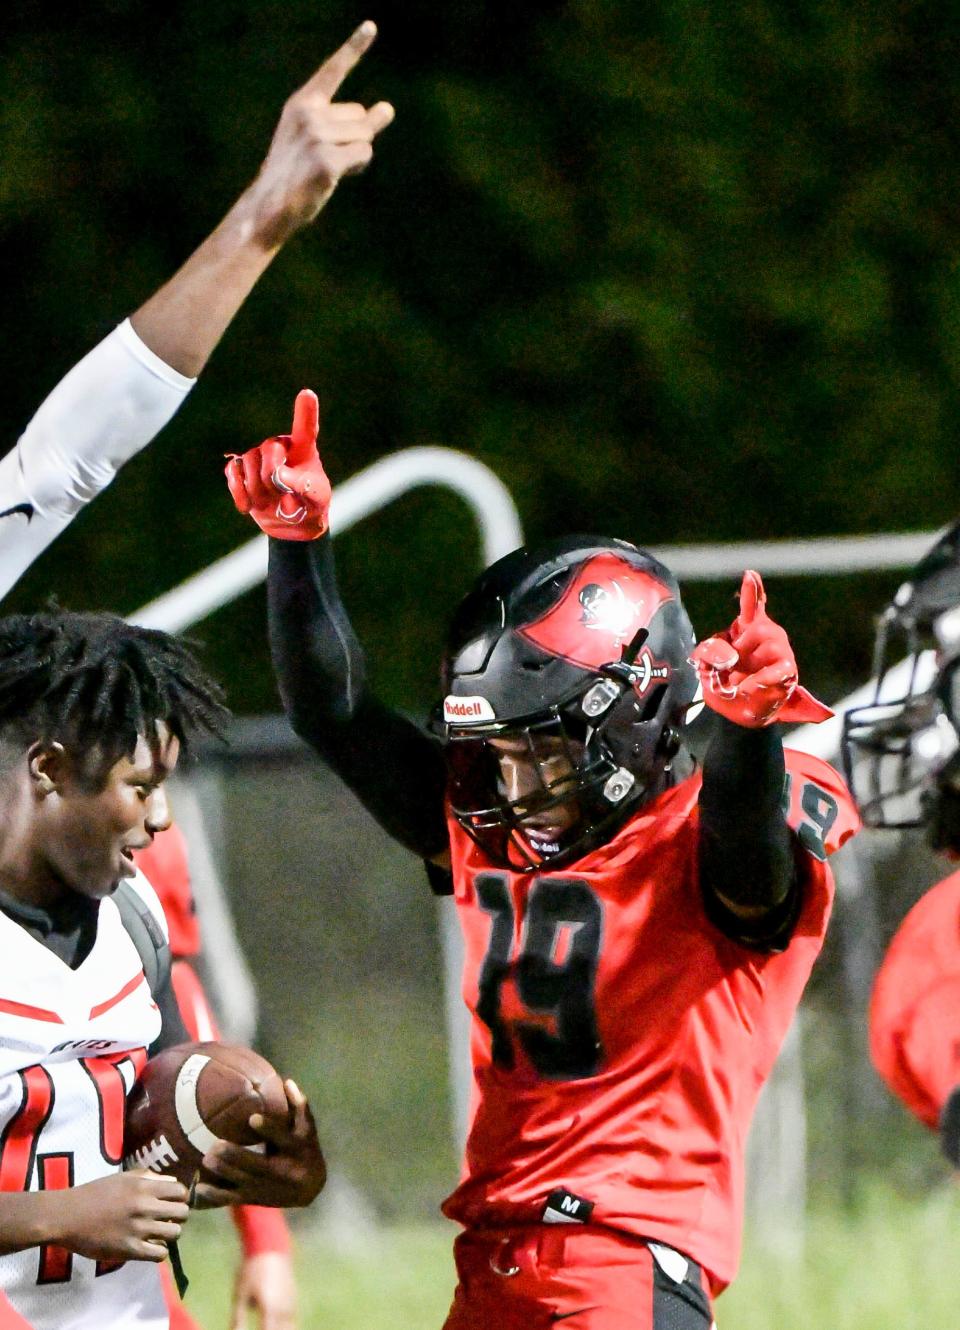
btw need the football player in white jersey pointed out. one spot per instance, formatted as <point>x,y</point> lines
<point>127,388</point>
<point>93,713</point>
<point>119,396</point>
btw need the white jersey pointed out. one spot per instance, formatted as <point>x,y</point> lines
<point>104,411</point>
<point>71,1045</point>
<point>72,1041</point>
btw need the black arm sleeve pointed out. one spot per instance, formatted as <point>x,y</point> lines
<point>394,768</point>
<point>747,857</point>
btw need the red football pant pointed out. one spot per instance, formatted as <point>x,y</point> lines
<point>180,1319</point>
<point>580,1277</point>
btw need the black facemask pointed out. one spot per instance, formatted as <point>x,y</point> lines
<point>941,809</point>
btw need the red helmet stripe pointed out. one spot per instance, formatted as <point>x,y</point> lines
<point>601,611</point>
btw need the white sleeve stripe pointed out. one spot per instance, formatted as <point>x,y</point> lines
<point>128,337</point>
<point>100,414</point>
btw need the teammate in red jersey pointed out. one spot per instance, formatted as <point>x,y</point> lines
<point>265,1280</point>
<point>637,934</point>
<point>915,1014</point>
<point>903,758</point>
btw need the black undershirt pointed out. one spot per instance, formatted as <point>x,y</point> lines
<point>747,854</point>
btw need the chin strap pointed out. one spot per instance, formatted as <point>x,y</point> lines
<point>176,1267</point>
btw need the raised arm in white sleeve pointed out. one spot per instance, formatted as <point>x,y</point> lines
<point>107,408</point>
<point>120,395</point>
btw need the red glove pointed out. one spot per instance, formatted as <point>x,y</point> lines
<point>282,483</point>
<point>749,673</point>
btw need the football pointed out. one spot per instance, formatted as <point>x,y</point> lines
<point>193,1095</point>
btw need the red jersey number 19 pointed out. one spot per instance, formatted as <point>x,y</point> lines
<point>554,970</point>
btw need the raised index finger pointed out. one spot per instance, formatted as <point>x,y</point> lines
<point>336,67</point>
<point>752,596</point>
<point>306,423</point>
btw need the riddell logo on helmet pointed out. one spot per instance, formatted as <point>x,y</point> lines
<point>469,710</point>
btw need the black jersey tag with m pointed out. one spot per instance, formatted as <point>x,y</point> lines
<point>563,1207</point>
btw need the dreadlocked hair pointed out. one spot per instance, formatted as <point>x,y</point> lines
<point>96,683</point>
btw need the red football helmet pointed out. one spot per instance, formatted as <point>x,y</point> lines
<point>567,681</point>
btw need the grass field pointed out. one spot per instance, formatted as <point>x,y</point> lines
<point>402,1278</point>
<point>889,1265</point>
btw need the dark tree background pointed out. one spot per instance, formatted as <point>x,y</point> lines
<point>678,271</point>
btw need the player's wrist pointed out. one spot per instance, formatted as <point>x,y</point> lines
<point>31,1219</point>
<point>54,1220</point>
<point>267,217</point>
<point>245,242</point>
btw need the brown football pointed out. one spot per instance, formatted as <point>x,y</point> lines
<point>193,1095</point>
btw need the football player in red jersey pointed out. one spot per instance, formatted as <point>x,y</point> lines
<point>902,755</point>
<point>265,1281</point>
<point>638,933</point>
